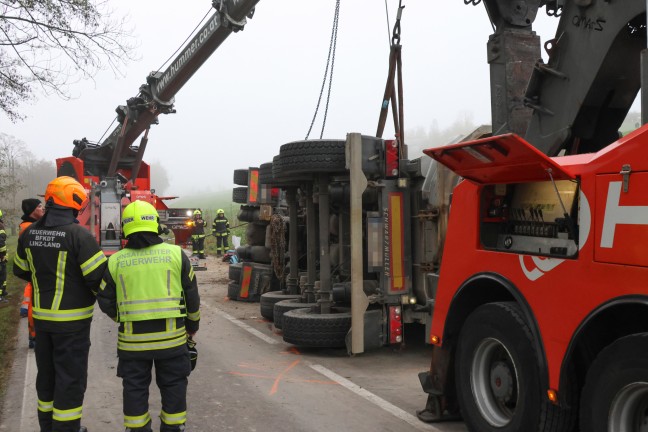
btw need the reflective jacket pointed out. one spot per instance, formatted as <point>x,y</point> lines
<point>220,226</point>
<point>198,227</point>
<point>64,264</point>
<point>150,291</point>
<point>3,240</point>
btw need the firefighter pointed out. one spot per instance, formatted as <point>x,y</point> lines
<point>32,211</point>
<point>220,230</point>
<point>3,261</point>
<point>198,234</point>
<point>156,306</point>
<point>65,265</point>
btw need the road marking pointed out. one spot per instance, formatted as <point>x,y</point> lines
<point>380,402</point>
<point>275,385</point>
<point>30,358</point>
<point>244,326</point>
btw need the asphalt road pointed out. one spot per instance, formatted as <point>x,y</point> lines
<point>248,379</point>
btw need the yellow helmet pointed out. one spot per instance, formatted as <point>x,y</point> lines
<point>197,212</point>
<point>66,192</point>
<point>140,216</point>
<point>219,211</point>
<point>0,213</point>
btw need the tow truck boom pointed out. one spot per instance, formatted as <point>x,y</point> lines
<point>157,95</point>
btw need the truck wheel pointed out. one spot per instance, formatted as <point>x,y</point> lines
<point>268,301</point>
<point>241,177</point>
<point>239,195</point>
<point>265,173</point>
<point>615,395</point>
<point>497,374</point>
<point>233,290</point>
<point>303,327</point>
<point>284,306</point>
<point>316,156</point>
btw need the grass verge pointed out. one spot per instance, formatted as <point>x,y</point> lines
<point>10,319</point>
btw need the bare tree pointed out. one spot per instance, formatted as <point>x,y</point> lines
<point>12,150</point>
<point>51,44</point>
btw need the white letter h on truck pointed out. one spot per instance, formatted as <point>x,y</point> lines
<point>619,215</point>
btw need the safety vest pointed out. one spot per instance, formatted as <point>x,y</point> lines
<point>148,283</point>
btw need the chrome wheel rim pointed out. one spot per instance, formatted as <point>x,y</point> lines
<point>494,382</point>
<point>629,409</point>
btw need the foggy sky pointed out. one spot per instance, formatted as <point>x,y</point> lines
<point>260,88</point>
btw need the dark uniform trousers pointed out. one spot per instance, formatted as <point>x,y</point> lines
<point>3,278</point>
<point>61,358</point>
<point>171,378</point>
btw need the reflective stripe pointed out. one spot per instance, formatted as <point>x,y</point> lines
<point>170,324</point>
<point>45,406</point>
<point>168,282</point>
<point>136,421</point>
<point>128,327</point>
<point>32,269</point>
<point>94,262</point>
<point>67,415</point>
<point>131,337</point>
<point>60,280</point>
<point>191,274</point>
<point>21,263</point>
<point>150,301</point>
<point>102,285</point>
<point>123,285</point>
<point>124,346</point>
<point>62,315</point>
<point>173,419</point>
<point>195,316</point>
<point>145,311</point>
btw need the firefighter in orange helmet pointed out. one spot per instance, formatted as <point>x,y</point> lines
<point>32,211</point>
<point>64,264</point>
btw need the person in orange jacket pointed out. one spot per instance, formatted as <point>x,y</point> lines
<point>32,211</point>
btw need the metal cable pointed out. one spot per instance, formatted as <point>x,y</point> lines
<point>328,96</point>
<point>328,61</point>
<point>185,41</point>
<point>106,131</point>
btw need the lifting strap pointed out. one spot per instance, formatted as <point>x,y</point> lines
<point>396,100</point>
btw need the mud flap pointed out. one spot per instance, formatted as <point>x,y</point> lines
<point>374,331</point>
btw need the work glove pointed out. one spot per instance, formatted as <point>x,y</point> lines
<point>23,312</point>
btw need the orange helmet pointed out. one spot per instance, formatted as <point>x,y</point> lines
<point>66,192</point>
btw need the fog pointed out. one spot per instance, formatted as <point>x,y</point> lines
<point>260,88</point>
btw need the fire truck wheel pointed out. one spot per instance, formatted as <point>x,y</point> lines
<point>497,373</point>
<point>314,156</point>
<point>233,290</point>
<point>268,301</point>
<point>239,195</point>
<point>241,177</point>
<point>615,395</point>
<point>280,308</point>
<point>303,327</point>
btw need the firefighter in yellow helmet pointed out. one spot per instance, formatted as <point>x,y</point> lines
<point>221,230</point>
<point>198,234</point>
<point>156,306</point>
<point>64,263</point>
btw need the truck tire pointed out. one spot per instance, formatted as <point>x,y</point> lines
<point>268,301</point>
<point>241,177</point>
<point>615,394</point>
<point>239,195</point>
<point>265,173</point>
<point>316,156</point>
<point>235,272</point>
<point>284,180</point>
<point>305,328</point>
<point>248,214</point>
<point>255,234</point>
<point>496,346</point>
<point>233,290</point>
<point>260,254</point>
<point>280,308</point>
